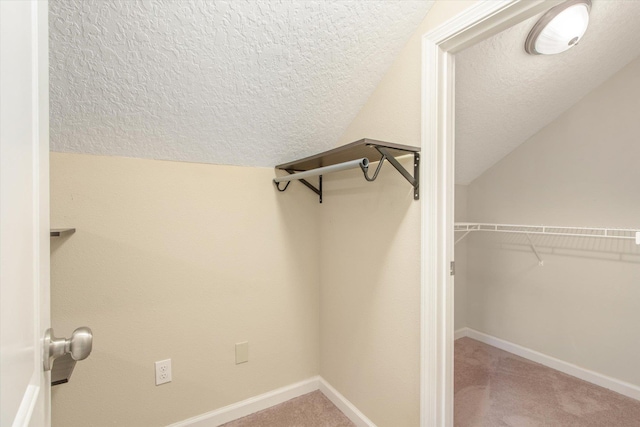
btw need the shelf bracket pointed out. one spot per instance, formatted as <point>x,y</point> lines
<point>535,250</point>
<point>310,186</point>
<point>461,238</point>
<point>413,180</point>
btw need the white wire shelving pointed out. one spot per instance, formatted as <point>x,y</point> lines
<point>528,230</point>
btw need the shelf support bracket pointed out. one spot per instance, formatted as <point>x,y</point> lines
<point>307,184</point>
<point>413,180</point>
<point>461,238</point>
<point>535,250</point>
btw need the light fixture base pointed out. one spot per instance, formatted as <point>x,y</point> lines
<point>541,24</point>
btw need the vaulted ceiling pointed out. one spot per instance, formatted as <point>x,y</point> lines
<point>258,83</point>
<point>504,96</point>
<point>242,82</point>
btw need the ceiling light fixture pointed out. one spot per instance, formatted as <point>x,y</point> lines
<point>559,29</point>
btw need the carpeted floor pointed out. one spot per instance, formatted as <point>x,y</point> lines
<point>309,410</point>
<point>494,388</point>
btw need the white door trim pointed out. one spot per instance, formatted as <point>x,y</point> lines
<point>24,217</point>
<point>486,18</point>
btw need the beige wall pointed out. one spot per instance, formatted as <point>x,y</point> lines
<point>583,305</point>
<point>181,261</point>
<point>370,292</point>
<point>392,112</point>
<point>175,260</point>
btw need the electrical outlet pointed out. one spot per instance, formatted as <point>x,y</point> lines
<point>163,371</point>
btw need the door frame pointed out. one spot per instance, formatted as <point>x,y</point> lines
<point>26,21</point>
<point>439,46</point>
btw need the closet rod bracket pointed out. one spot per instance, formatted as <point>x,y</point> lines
<point>282,189</point>
<point>310,186</point>
<point>365,169</point>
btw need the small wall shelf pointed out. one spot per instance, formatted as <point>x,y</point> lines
<point>62,232</point>
<point>356,154</point>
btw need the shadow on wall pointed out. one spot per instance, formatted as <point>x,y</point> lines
<point>578,247</point>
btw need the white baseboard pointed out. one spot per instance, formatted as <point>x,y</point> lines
<point>347,408</point>
<point>251,405</point>
<point>624,388</point>
<point>460,333</point>
<point>275,397</point>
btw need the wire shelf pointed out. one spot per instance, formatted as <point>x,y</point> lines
<point>528,230</point>
<point>608,233</point>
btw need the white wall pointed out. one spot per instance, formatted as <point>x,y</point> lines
<point>180,260</point>
<point>460,257</point>
<point>583,305</point>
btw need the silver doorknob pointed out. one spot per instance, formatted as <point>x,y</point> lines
<point>78,346</point>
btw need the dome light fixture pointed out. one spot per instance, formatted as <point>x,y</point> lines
<point>559,29</point>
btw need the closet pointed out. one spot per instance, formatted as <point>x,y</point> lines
<point>547,281</point>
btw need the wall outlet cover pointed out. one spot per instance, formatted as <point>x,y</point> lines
<point>163,371</point>
<point>242,352</point>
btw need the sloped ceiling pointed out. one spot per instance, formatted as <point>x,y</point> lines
<point>239,82</point>
<point>504,96</point>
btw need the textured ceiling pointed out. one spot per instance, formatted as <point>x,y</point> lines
<point>504,96</point>
<point>240,82</point>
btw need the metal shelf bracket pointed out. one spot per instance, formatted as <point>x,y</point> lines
<point>413,180</point>
<point>535,250</point>
<point>310,186</point>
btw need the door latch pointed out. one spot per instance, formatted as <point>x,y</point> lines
<point>78,346</point>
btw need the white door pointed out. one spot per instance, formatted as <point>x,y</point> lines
<point>24,212</point>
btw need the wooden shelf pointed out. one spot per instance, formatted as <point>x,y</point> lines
<point>62,232</point>
<point>359,153</point>
<point>356,150</point>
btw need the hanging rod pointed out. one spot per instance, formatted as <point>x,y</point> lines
<point>362,163</point>
<point>357,154</point>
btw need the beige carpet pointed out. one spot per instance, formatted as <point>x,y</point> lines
<point>494,388</point>
<point>309,410</point>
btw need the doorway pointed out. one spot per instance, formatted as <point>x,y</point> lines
<point>439,47</point>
